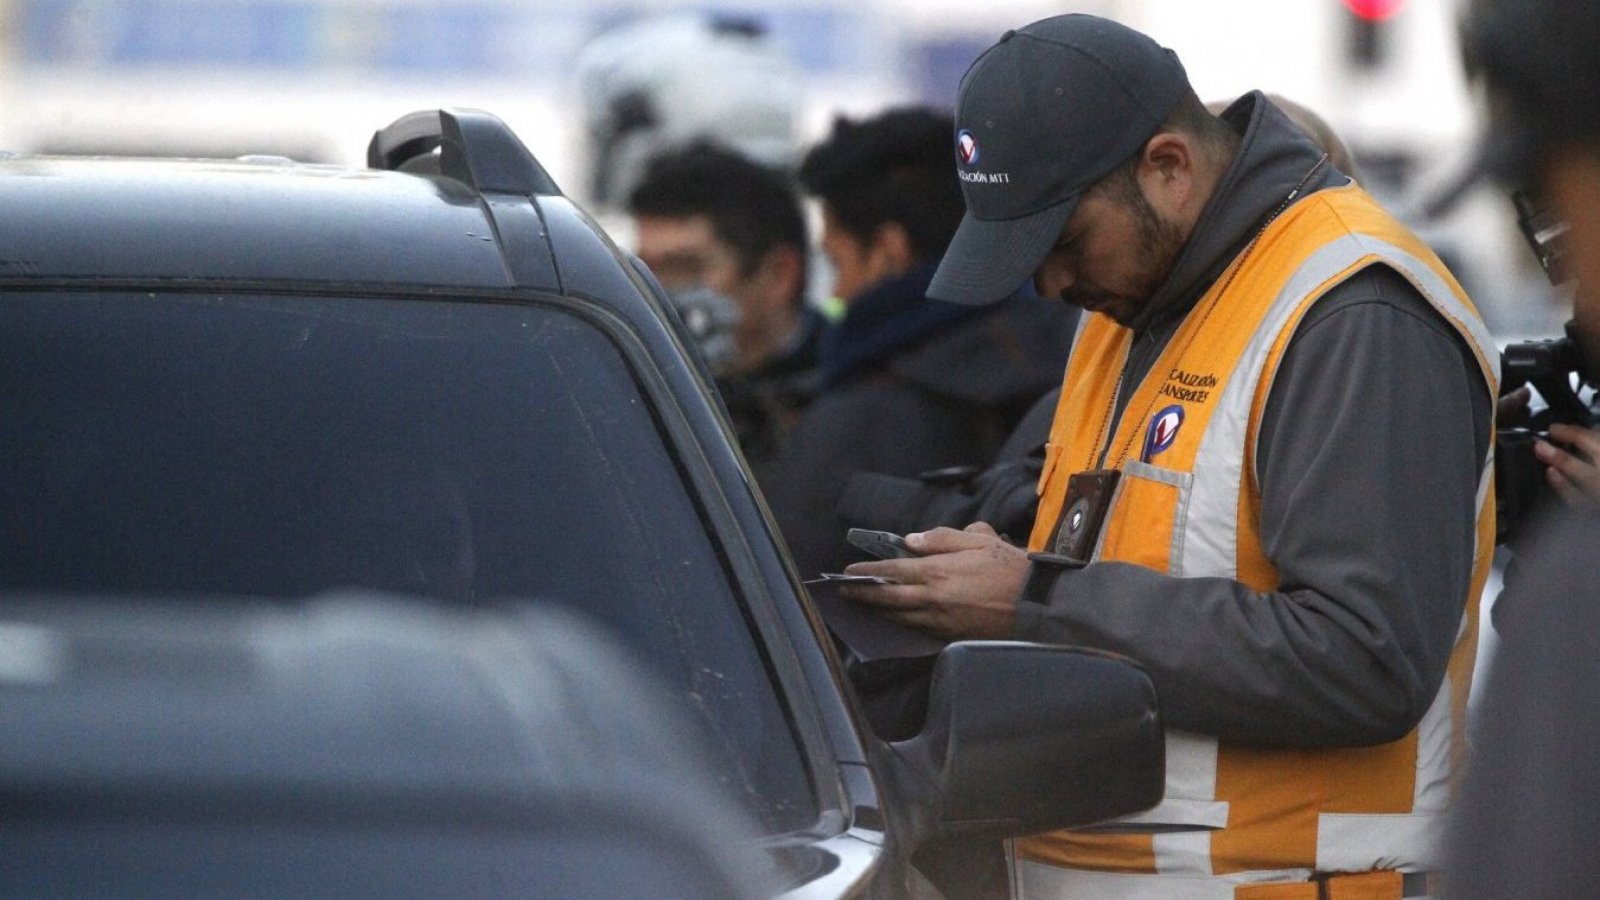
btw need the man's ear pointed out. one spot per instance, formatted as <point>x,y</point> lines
<point>1168,174</point>
<point>890,252</point>
<point>780,275</point>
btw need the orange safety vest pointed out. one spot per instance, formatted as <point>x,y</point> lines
<point>1249,821</point>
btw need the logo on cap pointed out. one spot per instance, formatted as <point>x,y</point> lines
<point>966,147</point>
<point>1163,431</point>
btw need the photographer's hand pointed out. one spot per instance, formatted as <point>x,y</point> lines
<point>1572,473</point>
<point>964,585</point>
<point>1511,411</point>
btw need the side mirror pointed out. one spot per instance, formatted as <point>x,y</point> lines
<point>1025,738</point>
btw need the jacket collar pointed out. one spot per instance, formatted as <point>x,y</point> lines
<point>885,320</point>
<point>1274,158</point>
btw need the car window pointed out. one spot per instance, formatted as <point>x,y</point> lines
<point>215,446</point>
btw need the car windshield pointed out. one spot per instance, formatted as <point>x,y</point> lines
<point>213,446</point>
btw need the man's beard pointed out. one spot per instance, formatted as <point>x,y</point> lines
<point>1159,244</point>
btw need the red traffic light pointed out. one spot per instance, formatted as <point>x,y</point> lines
<point>1374,10</point>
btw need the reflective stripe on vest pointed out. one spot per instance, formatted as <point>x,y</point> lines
<point>1192,509</point>
<point>1035,879</point>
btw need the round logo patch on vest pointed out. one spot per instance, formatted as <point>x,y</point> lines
<point>1163,431</point>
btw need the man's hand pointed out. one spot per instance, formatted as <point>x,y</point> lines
<point>1574,475</point>
<point>963,586</point>
<point>1511,411</point>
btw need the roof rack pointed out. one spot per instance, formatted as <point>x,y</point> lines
<point>475,148</point>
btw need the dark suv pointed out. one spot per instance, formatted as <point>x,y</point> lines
<point>326,496</point>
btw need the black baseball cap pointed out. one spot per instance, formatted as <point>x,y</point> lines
<point>1041,116</point>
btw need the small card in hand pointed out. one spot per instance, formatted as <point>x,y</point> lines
<point>865,629</point>
<point>838,578</point>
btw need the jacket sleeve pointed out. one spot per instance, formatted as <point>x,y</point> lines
<point>1369,458</point>
<point>1003,494</point>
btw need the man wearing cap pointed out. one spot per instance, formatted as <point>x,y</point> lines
<point>1530,801</point>
<point>1266,478</point>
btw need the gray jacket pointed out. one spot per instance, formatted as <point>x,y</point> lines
<point>1369,456</point>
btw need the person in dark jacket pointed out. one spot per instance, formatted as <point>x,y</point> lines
<point>907,385</point>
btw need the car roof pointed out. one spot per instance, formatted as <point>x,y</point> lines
<point>243,220</point>
<point>479,212</point>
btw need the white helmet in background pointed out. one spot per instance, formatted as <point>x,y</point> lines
<point>665,81</point>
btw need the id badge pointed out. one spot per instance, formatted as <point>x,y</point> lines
<point>1083,513</point>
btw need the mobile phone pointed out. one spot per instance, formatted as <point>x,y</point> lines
<point>882,544</point>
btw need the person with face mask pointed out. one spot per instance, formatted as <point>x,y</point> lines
<point>725,237</point>
<point>1267,479</point>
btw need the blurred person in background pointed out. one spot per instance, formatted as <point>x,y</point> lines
<point>684,93</point>
<point>725,237</point>
<point>1530,807</point>
<point>906,385</point>
<point>1234,494</point>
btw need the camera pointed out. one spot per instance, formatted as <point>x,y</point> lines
<point>1556,369</point>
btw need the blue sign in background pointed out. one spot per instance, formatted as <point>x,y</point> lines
<point>465,38</point>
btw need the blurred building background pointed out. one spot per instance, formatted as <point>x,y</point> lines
<point>311,79</point>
